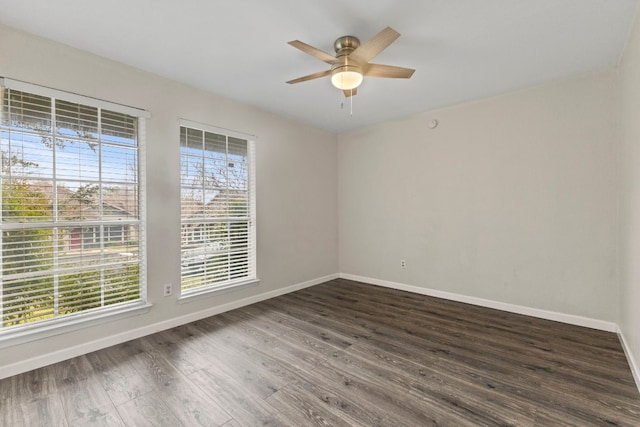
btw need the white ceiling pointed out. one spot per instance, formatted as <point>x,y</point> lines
<point>462,49</point>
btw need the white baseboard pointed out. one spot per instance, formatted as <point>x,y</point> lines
<point>635,369</point>
<point>512,308</point>
<point>84,348</point>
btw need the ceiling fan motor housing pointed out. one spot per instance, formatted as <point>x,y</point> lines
<point>345,45</point>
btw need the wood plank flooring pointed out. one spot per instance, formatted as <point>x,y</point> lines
<point>340,354</point>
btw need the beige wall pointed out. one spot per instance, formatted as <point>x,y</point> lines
<point>509,199</point>
<point>296,174</point>
<point>629,111</point>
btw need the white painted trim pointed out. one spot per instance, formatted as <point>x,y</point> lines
<point>22,334</point>
<point>215,129</point>
<point>512,308</point>
<point>207,292</point>
<point>73,97</point>
<point>635,369</point>
<point>84,348</point>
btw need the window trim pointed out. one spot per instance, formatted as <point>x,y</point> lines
<point>22,334</point>
<point>19,334</point>
<point>73,97</point>
<point>199,293</point>
<point>194,294</point>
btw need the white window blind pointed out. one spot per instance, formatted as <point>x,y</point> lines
<point>71,229</point>
<point>217,208</point>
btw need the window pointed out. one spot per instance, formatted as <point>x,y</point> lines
<point>71,230</point>
<point>217,209</point>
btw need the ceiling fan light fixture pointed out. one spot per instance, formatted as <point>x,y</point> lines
<point>346,77</point>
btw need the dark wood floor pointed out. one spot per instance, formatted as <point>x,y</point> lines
<point>340,354</point>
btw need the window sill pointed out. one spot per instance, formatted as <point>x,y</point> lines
<point>23,334</point>
<point>196,294</point>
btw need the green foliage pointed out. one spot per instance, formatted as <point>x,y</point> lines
<point>86,194</point>
<point>84,290</point>
<point>30,250</point>
<point>78,291</point>
<point>27,300</point>
<point>26,250</point>
<point>21,201</point>
<point>122,283</point>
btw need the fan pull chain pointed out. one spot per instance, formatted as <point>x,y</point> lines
<point>351,98</point>
<point>350,104</point>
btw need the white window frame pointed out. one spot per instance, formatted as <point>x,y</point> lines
<point>18,334</point>
<point>187,295</point>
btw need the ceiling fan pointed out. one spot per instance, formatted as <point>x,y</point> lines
<point>351,62</point>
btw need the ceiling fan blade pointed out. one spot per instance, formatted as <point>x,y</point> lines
<point>313,51</point>
<point>350,92</point>
<point>380,70</point>
<point>372,47</point>
<point>310,77</point>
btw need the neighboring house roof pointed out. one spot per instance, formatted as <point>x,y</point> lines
<point>217,206</point>
<point>121,199</point>
<point>117,203</point>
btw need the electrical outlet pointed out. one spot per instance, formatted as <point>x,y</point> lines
<point>403,263</point>
<point>168,288</point>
